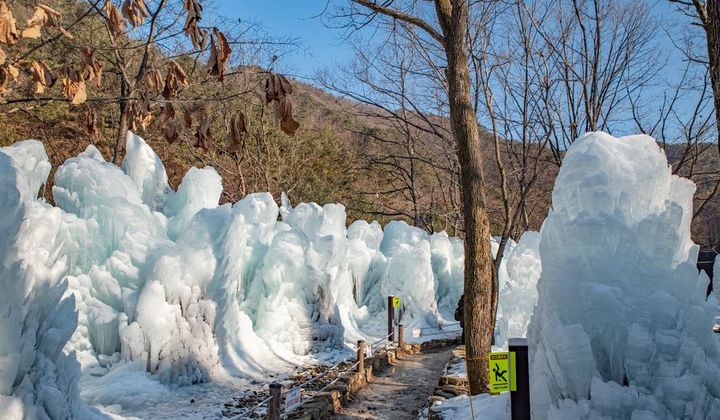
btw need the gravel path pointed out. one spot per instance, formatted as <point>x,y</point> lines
<point>402,392</point>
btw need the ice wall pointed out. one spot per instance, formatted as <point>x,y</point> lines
<point>190,290</point>
<point>37,379</point>
<point>622,328</point>
<point>518,276</point>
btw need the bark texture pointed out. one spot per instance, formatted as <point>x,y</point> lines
<point>480,282</point>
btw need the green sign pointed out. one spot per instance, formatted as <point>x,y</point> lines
<point>501,372</point>
<point>396,302</point>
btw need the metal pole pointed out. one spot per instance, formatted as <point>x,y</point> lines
<point>391,319</point>
<point>361,356</point>
<point>520,396</point>
<point>275,403</point>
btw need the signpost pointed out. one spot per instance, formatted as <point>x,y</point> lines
<point>520,395</point>
<point>499,365</point>
<point>508,371</point>
<point>292,399</point>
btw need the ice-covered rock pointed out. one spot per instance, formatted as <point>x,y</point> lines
<point>622,327</point>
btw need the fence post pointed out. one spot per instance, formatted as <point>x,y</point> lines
<point>391,319</point>
<point>401,335</point>
<point>361,356</point>
<point>520,397</point>
<point>275,403</point>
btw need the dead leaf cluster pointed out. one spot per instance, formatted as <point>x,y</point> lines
<point>191,28</point>
<point>277,90</point>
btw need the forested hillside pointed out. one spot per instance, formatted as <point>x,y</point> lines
<point>347,149</point>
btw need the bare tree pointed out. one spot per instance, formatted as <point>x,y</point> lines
<point>707,15</point>
<point>405,142</point>
<point>447,26</point>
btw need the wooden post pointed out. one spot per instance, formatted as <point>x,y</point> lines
<point>391,319</point>
<point>275,402</point>
<point>401,336</point>
<point>520,397</point>
<point>361,356</point>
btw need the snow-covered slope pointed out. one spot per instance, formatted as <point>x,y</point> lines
<point>622,327</point>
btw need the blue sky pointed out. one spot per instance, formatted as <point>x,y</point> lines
<point>320,46</point>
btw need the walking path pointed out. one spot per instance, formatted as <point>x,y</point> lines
<point>402,391</point>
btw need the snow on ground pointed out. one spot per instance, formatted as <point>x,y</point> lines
<point>152,290</point>
<point>484,406</point>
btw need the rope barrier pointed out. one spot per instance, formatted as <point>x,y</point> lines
<point>306,400</point>
<point>254,409</point>
<point>442,333</point>
<point>311,380</point>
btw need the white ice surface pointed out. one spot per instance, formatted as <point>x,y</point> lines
<point>172,289</point>
<point>622,327</point>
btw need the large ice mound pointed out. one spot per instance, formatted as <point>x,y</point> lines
<point>126,274</point>
<point>37,379</point>
<point>622,327</point>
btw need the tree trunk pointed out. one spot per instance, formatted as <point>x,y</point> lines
<point>712,31</point>
<point>123,124</point>
<point>480,284</point>
<point>121,137</point>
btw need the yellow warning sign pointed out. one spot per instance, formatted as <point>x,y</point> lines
<point>396,302</point>
<point>499,372</point>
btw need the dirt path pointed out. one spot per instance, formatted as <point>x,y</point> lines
<point>402,391</point>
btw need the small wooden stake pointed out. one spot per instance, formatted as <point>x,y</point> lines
<point>391,319</point>
<point>401,335</point>
<point>361,356</point>
<point>275,402</point>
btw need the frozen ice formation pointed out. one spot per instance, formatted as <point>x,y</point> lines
<point>126,274</point>
<point>37,379</point>
<point>142,284</point>
<point>622,327</point>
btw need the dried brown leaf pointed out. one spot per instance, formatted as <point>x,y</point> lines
<point>92,69</point>
<point>43,15</point>
<point>219,54</point>
<point>35,23</point>
<point>278,89</point>
<point>191,28</point>
<point>42,76</point>
<point>154,81</point>
<point>175,78</point>
<point>8,73</point>
<point>203,134</point>
<point>135,12</point>
<point>73,85</point>
<point>238,130</point>
<point>167,122</point>
<point>8,29</point>
<point>115,20</point>
<point>91,120</point>
<point>3,57</point>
